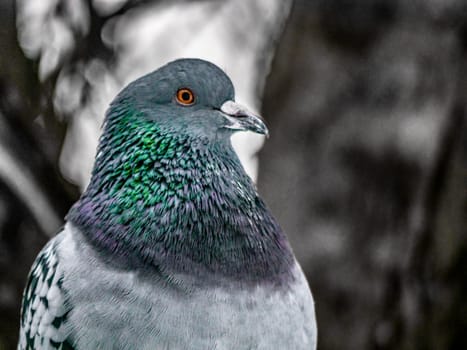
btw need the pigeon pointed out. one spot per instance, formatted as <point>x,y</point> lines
<point>170,245</point>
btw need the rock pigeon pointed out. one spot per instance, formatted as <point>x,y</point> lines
<point>170,246</point>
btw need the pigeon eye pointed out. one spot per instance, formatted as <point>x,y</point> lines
<point>185,97</point>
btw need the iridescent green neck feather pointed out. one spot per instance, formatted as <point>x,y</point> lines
<point>177,204</point>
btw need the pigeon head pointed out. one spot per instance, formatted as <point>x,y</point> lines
<point>167,189</point>
<point>189,97</point>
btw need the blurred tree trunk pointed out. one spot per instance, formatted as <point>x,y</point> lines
<point>366,167</point>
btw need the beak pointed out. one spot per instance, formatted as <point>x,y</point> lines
<point>241,118</point>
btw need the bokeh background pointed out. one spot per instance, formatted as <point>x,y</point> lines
<point>365,168</point>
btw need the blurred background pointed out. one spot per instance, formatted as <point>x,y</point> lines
<point>365,168</point>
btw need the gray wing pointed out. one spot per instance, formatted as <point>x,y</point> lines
<point>44,310</point>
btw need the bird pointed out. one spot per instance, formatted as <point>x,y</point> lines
<point>170,245</point>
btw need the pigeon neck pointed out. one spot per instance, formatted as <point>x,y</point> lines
<point>180,206</point>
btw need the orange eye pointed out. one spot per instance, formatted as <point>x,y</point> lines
<point>185,97</point>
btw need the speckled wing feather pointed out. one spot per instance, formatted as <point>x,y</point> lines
<point>43,309</point>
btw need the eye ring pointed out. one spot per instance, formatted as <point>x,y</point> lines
<point>185,97</point>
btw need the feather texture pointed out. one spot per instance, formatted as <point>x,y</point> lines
<point>170,246</point>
